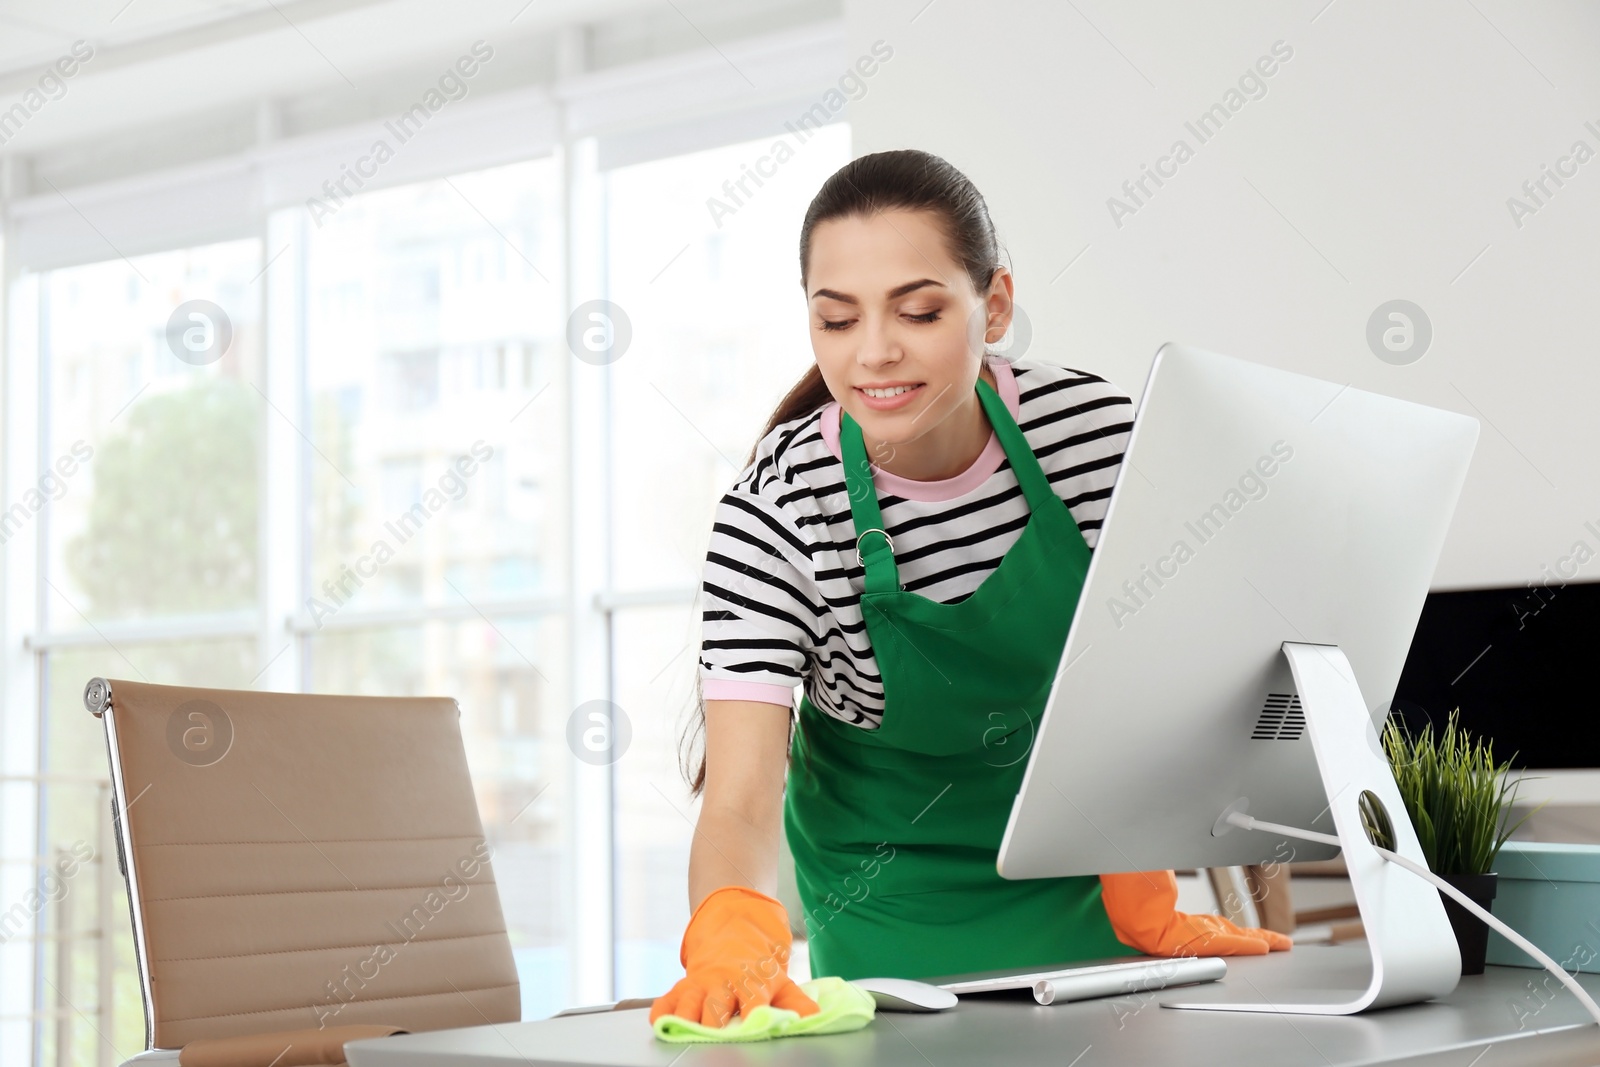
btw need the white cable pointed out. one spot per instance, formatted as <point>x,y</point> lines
<point>1246,822</point>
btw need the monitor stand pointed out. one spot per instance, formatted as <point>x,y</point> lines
<point>1414,953</point>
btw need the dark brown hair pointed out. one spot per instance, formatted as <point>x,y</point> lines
<point>903,179</point>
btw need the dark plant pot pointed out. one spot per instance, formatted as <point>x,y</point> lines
<point>1472,933</point>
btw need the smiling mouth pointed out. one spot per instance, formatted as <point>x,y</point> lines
<point>888,394</point>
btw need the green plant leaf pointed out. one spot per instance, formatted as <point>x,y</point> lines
<point>1458,798</point>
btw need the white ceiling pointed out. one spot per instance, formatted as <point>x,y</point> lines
<point>189,77</point>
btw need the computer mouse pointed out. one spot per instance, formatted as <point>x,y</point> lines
<point>906,994</point>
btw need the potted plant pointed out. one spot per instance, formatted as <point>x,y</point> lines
<point>1459,800</point>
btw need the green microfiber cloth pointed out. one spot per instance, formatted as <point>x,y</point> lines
<point>844,1008</point>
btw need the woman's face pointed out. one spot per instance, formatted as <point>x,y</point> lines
<point>889,306</point>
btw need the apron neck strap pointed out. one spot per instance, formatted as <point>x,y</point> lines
<point>872,543</point>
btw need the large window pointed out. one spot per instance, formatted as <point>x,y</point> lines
<point>160,517</point>
<point>720,334</point>
<point>401,392</point>
<point>433,322</point>
<point>433,330</point>
<point>152,526</point>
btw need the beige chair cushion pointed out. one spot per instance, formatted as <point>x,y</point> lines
<point>294,1048</point>
<point>325,866</point>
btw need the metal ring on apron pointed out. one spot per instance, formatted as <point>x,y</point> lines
<point>875,529</point>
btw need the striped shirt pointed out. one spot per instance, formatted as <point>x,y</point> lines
<point>782,583</point>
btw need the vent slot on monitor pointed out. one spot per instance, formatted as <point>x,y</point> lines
<point>1282,719</point>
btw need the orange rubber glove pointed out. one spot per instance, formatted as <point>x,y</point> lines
<point>1142,907</point>
<point>735,956</point>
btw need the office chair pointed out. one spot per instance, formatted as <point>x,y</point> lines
<point>1254,895</point>
<point>1261,896</point>
<point>302,870</point>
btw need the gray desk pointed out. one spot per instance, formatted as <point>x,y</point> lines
<point>1476,1026</point>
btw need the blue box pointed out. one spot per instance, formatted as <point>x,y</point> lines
<point>1550,894</point>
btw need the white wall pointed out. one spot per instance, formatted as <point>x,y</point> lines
<point>1376,166</point>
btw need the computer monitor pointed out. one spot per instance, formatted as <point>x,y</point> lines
<point>1265,555</point>
<point>1516,661</point>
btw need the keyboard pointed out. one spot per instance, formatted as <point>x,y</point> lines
<point>1101,980</point>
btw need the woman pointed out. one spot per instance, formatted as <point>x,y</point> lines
<point>908,540</point>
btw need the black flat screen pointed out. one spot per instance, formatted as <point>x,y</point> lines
<point>1519,662</point>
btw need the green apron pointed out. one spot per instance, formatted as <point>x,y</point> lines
<point>895,831</point>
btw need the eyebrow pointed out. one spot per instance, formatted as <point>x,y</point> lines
<point>899,290</point>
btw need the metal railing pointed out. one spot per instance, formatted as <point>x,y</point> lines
<point>54,1002</point>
